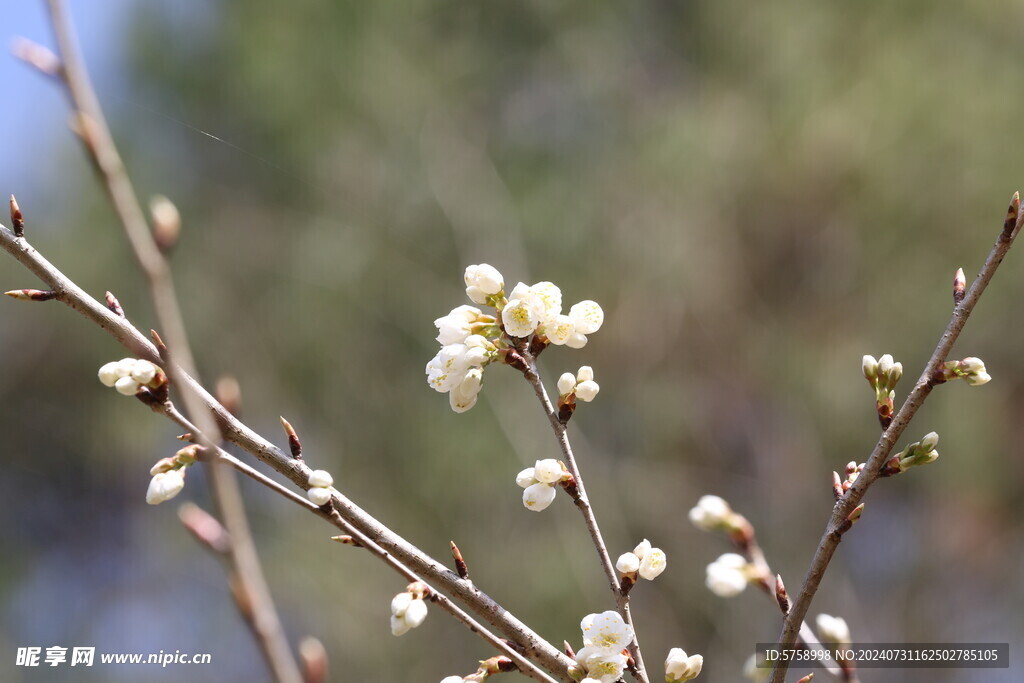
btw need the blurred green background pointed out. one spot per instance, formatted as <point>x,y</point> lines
<point>757,193</point>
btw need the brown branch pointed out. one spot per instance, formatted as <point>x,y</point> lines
<point>252,594</point>
<point>583,505</point>
<point>839,523</point>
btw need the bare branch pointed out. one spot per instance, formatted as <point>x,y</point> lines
<point>846,505</point>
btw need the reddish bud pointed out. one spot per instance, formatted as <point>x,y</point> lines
<point>32,294</point>
<point>17,219</point>
<point>114,305</point>
<point>293,439</point>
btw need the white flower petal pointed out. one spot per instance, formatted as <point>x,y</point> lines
<point>538,496</point>
<point>321,478</point>
<point>526,478</point>
<point>627,563</point>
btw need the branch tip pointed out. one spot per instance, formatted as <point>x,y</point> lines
<point>294,445</point>
<point>35,55</point>
<point>32,294</point>
<point>17,218</point>
<point>114,305</point>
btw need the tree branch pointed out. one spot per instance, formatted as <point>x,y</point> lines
<point>838,524</point>
<point>583,504</point>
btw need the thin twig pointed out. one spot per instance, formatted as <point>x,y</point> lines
<point>839,522</point>
<point>259,610</point>
<point>583,504</point>
<point>466,593</point>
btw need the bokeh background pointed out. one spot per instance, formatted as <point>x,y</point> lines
<point>757,193</point>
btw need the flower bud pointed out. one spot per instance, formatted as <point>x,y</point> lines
<point>415,613</point>
<point>566,383</point>
<point>929,442</point>
<point>653,563</point>
<point>319,496</point>
<point>833,630</point>
<point>486,277</point>
<point>321,479</point>
<point>586,391</point>
<point>548,471</point>
<point>144,372</point>
<point>884,365</point>
<point>164,486</point>
<point>127,386</point>
<point>585,374</point>
<point>870,368</point>
<point>400,603</point>
<point>627,563</point>
<point>642,549</point>
<point>681,667</point>
<point>526,478</point>
<point>109,374</point>
<point>538,497</point>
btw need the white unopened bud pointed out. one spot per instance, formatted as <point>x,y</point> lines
<point>164,486</point>
<point>415,613</point>
<point>585,374</point>
<point>453,679</point>
<point>109,374</point>
<point>586,391</point>
<point>642,549</point>
<point>978,378</point>
<point>538,497</point>
<point>400,603</point>
<point>321,478</point>
<point>929,442</point>
<point>627,563</point>
<point>144,372</point>
<point>486,277</point>
<point>566,383</point>
<point>526,478</point>
<point>870,368</point>
<point>548,471</point>
<point>833,629</point>
<point>577,341</point>
<point>884,365</point>
<point>127,386</point>
<point>710,512</point>
<point>319,495</point>
<point>727,576</point>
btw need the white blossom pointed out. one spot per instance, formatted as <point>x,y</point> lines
<point>560,330</point>
<point>585,374</point>
<point>538,497</point>
<point>833,629</point>
<point>457,325</point>
<point>566,383</point>
<point>602,664</point>
<point>710,513</point>
<point>586,391</point>
<point>319,495</point>
<point>606,630</point>
<point>165,485</point>
<point>653,563</point>
<point>587,316</point>
<point>321,478</point>
<point>727,576</point>
<point>519,318</point>
<point>479,350</point>
<point>628,563</point>
<point>682,667</point>
<point>548,471</point>
<point>642,549</point>
<point>448,368</point>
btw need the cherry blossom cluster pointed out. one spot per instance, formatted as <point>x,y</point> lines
<point>409,608</point>
<point>129,375</point>
<point>320,491</point>
<point>539,483</point>
<point>169,475</point>
<point>883,375</point>
<point>918,453</point>
<point>582,385</point>
<point>645,561</point>
<point>472,339</point>
<point>712,513</point>
<point>605,636</point>
<point>972,370</point>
